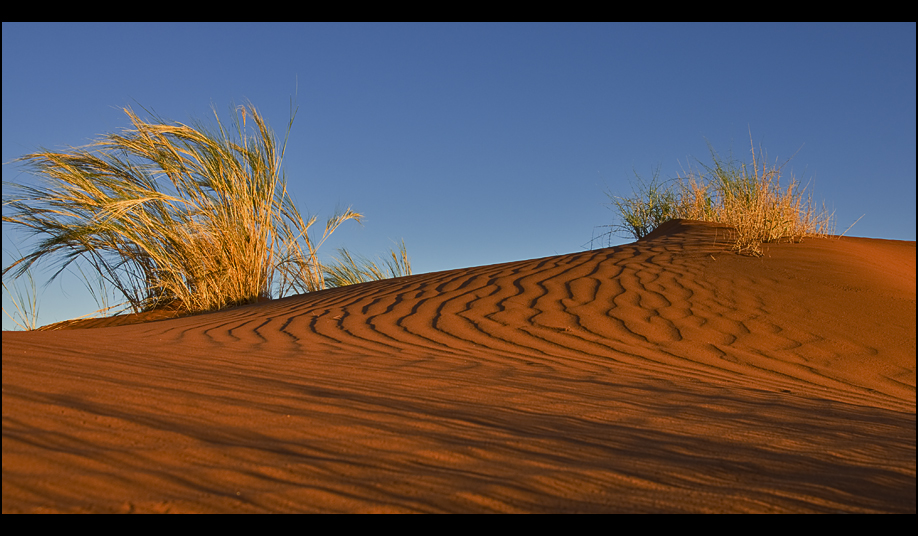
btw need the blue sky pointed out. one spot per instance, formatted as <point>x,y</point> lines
<point>486,143</point>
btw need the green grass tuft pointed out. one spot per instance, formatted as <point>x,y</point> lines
<point>25,302</point>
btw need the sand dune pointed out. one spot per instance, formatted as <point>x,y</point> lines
<point>668,375</point>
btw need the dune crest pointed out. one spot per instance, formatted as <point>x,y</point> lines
<point>666,375</point>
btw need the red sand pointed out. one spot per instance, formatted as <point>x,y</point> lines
<point>669,375</point>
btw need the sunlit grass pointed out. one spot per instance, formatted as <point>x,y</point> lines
<point>174,215</point>
<point>749,198</point>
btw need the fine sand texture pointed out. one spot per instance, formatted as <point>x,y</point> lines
<point>667,375</point>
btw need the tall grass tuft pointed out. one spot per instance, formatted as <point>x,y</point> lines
<point>747,197</point>
<point>174,215</point>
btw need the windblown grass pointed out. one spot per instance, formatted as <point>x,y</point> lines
<point>747,197</point>
<point>174,215</point>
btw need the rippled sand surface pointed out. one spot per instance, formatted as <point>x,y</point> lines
<point>668,375</point>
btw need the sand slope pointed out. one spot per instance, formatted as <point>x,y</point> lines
<point>668,375</point>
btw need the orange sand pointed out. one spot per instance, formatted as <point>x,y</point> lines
<point>668,375</point>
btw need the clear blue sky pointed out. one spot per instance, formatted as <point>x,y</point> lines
<point>488,143</point>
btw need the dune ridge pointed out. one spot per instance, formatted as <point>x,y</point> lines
<point>668,375</point>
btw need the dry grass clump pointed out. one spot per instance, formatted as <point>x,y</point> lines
<point>349,271</point>
<point>749,198</point>
<point>174,215</point>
